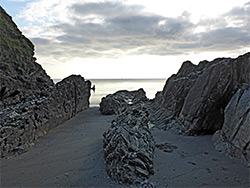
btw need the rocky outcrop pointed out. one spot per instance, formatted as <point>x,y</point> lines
<point>129,147</point>
<point>194,99</point>
<point>30,103</point>
<point>25,122</point>
<point>234,137</point>
<point>20,76</point>
<point>114,103</point>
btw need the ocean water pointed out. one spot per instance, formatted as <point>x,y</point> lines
<point>103,87</point>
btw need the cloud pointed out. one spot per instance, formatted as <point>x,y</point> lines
<point>106,9</point>
<point>114,28</point>
<point>20,0</point>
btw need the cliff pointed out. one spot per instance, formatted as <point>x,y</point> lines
<point>234,138</point>
<point>30,103</point>
<point>194,100</point>
<point>20,75</point>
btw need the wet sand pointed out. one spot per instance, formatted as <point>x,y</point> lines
<point>71,156</point>
<point>193,162</point>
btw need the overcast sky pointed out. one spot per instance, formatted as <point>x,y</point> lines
<point>130,38</point>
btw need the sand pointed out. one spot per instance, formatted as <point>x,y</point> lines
<point>71,155</point>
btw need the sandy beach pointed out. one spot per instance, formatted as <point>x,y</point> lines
<point>71,155</point>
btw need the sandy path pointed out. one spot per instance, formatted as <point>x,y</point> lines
<point>193,162</point>
<point>68,156</point>
<point>71,156</point>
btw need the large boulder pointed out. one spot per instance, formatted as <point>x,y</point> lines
<point>195,98</point>
<point>114,103</point>
<point>234,137</point>
<point>129,147</point>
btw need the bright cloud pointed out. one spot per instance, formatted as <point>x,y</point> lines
<point>87,30</point>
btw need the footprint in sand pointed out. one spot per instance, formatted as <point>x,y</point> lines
<point>192,163</point>
<point>223,168</point>
<point>183,154</point>
<point>166,147</point>
<point>208,170</point>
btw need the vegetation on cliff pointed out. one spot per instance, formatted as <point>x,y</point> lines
<point>20,75</point>
<point>15,48</point>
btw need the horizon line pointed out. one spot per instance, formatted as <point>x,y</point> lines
<point>115,78</point>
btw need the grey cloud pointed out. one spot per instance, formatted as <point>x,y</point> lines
<point>106,9</point>
<point>69,40</point>
<point>174,29</point>
<point>135,25</point>
<point>240,12</point>
<point>129,27</point>
<point>240,16</point>
<point>225,38</point>
<point>40,41</point>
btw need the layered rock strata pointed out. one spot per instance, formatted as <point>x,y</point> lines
<point>115,103</point>
<point>195,98</point>
<point>194,101</point>
<point>234,137</point>
<point>30,103</point>
<point>129,147</point>
<point>20,75</point>
<point>26,121</point>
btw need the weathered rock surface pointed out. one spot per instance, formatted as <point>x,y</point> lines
<point>234,137</point>
<point>25,122</point>
<point>202,99</point>
<point>20,75</point>
<point>114,103</point>
<point>194,99</point>
<point>129,147</point>
<point>30,103</point>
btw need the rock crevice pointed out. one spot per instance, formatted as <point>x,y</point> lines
<point>202,99</point>
<point>196,96</point>
<point>234,138</point>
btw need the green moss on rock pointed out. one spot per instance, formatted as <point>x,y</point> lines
<point>14,47</point>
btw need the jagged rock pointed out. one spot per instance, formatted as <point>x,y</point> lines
<point>25,122</point>
<point>195,98</point>
<point>114,103</point>
<point>234,137</point>
<point>20,76</point>
<point>30,103</point>
<point>129,147</point>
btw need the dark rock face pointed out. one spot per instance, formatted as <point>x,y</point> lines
<point>25,122</point>
<point>194,99</point>
<point>114,103</point>
<point>129,147</point>
<point>20,75</point>
<point>234,137</point>
<point>30,103</point>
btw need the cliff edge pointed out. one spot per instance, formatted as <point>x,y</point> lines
<point>30,103</point>
<point>205,98</point>
<point>20,75</point>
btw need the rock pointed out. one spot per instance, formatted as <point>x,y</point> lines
<point>129,146</point>
<point>30,103</point>
<point>194,99</point>
<point>20,75</point>
<point>25,122</point>
<point>234,138</point>
<point>114,103</point>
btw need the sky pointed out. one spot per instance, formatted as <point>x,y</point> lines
<point>130,38</point>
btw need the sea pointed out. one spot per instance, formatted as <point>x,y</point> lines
<point>103,87</point>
